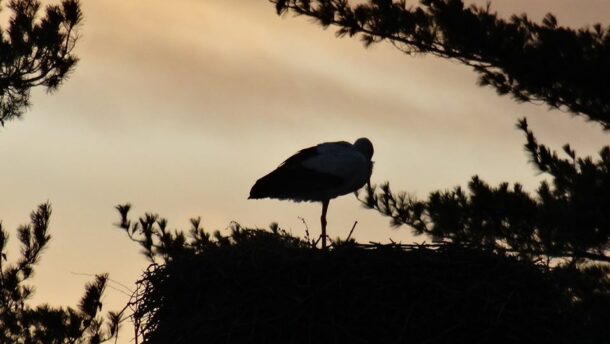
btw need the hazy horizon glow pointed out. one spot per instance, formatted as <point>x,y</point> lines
<point>179,109</point>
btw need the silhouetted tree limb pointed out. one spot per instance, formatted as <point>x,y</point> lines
<point>22,324</point>
<point>563,67</point>
<point>35,50</point>
<point>568,219</point>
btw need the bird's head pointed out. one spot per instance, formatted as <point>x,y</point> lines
<point>364,146</point>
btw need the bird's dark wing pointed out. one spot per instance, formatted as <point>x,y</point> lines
<point>298,158</point>
<point>292,180</point>
<point>308,153</point>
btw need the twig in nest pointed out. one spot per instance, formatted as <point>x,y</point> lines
<point>351,231</point>
<point>307,237</point>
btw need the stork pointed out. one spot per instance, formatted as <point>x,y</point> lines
<point>319,174</point>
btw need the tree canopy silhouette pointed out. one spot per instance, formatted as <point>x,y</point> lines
<point>563,67</point>
<point>569,218</point>
<point>44,324</point>
<point>35,50</point>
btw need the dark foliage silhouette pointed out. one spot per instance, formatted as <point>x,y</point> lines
<point>562,67</point>
<point>568,219</point>
<point>257,286</point>
<point>22,324</point>
<point>35,50</point>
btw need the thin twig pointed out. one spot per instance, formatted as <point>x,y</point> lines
<point>351,231</point>
<point>126,290</point>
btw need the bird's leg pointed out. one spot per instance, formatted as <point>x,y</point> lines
<point>323,221</point>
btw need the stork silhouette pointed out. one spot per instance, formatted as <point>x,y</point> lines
<point>319,174</point>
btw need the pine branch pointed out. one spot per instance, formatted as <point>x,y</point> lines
<point>568,219</point>
<point>559,66</point>
<point>35,50</point>
<point>22,324</point>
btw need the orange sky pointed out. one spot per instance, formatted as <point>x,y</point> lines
<point>179,107</point>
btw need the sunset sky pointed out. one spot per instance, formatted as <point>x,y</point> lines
<point>178,107</point>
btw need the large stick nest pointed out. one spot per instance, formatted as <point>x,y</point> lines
<point>260,287</point>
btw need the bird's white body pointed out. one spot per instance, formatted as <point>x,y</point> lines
<point>342,160</point>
